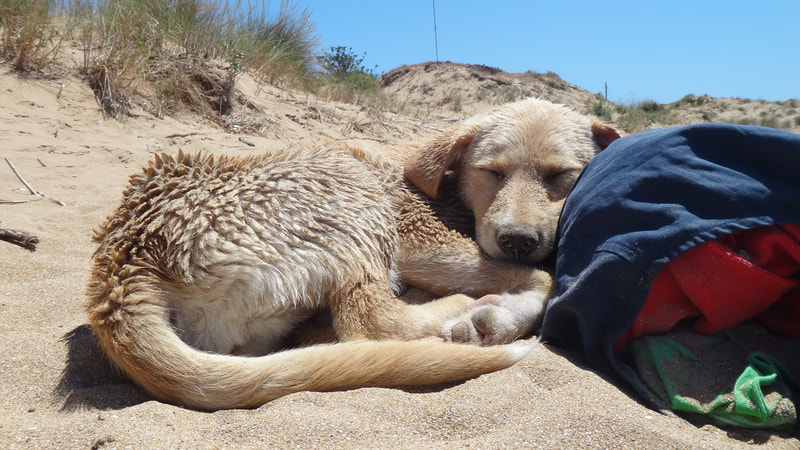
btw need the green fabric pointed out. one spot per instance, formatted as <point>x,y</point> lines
<point>720,378</point>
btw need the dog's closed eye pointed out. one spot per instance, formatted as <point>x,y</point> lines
<point>559,182</point>
<point>559,176</point>
<point>495,173</point>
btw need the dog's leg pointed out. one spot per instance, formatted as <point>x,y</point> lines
<point>459,266</point>
<point>372,311</point>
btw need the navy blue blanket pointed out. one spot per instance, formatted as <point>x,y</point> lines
<point>645,200</point>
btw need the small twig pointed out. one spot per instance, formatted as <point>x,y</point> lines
<point>17,202</point>
<point>180,135</point>
<point>365,138</point>
<point>388,128</point>
<point>14,169</point>
<point>24,240</point>
<point>30,189</point>
<point>245,141</point>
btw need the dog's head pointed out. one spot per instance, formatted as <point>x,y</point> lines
<point>514,167</point>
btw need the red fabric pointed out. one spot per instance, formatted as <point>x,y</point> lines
<point>750,274</point>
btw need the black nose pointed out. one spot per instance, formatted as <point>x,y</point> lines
<point>517,244</point>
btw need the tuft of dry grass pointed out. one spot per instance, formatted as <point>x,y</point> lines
<point>174,44</point>
<point>30,39</point>
<point>177,54</point>
<point>195,84</point>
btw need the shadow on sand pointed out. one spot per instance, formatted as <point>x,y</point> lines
<point>89,381</point>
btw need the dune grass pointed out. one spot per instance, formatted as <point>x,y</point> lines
<point>632,117</point>
<point>30,38</point>
<point>175,53</point>
<point>642,115</point>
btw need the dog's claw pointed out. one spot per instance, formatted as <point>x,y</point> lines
<point>483,323</point>
<point>460,333</point>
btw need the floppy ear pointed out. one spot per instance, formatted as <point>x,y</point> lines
<point>604,135</point>
<point>429,162</point>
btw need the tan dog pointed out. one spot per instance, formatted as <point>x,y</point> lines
<point>208,257</point>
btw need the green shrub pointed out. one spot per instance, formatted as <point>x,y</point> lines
<point>345,78</point>
<point>642,115</point>
<point>340,62</point>
<point>649,106</point>
<point>601,109</point>
<point>688,99</point>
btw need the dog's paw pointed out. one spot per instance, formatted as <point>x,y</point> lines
<point>497,319</point>
<point>484,325</point>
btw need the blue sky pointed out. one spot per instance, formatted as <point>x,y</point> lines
<point>644,50</point>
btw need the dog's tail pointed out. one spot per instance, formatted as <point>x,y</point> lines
<point>140,341</point>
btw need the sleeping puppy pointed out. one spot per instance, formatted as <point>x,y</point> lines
<point>209,262</point>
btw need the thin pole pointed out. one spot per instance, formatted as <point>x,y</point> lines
<point>435,37</point>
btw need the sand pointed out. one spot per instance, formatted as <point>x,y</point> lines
<point>57,392</point>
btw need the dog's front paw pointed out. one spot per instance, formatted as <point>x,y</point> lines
<point>484,325</point>
<point>497,319</point>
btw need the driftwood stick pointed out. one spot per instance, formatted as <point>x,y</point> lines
<point>18,202</point>
<point>24,240</point>
<point>14,169</point>
<point>245,141</point>
<point>38,195</point>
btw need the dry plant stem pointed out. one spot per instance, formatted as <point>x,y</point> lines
<point>18,202</point>
<point>30,189</point>
<point>14,169</point>
<point>24,240</point>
